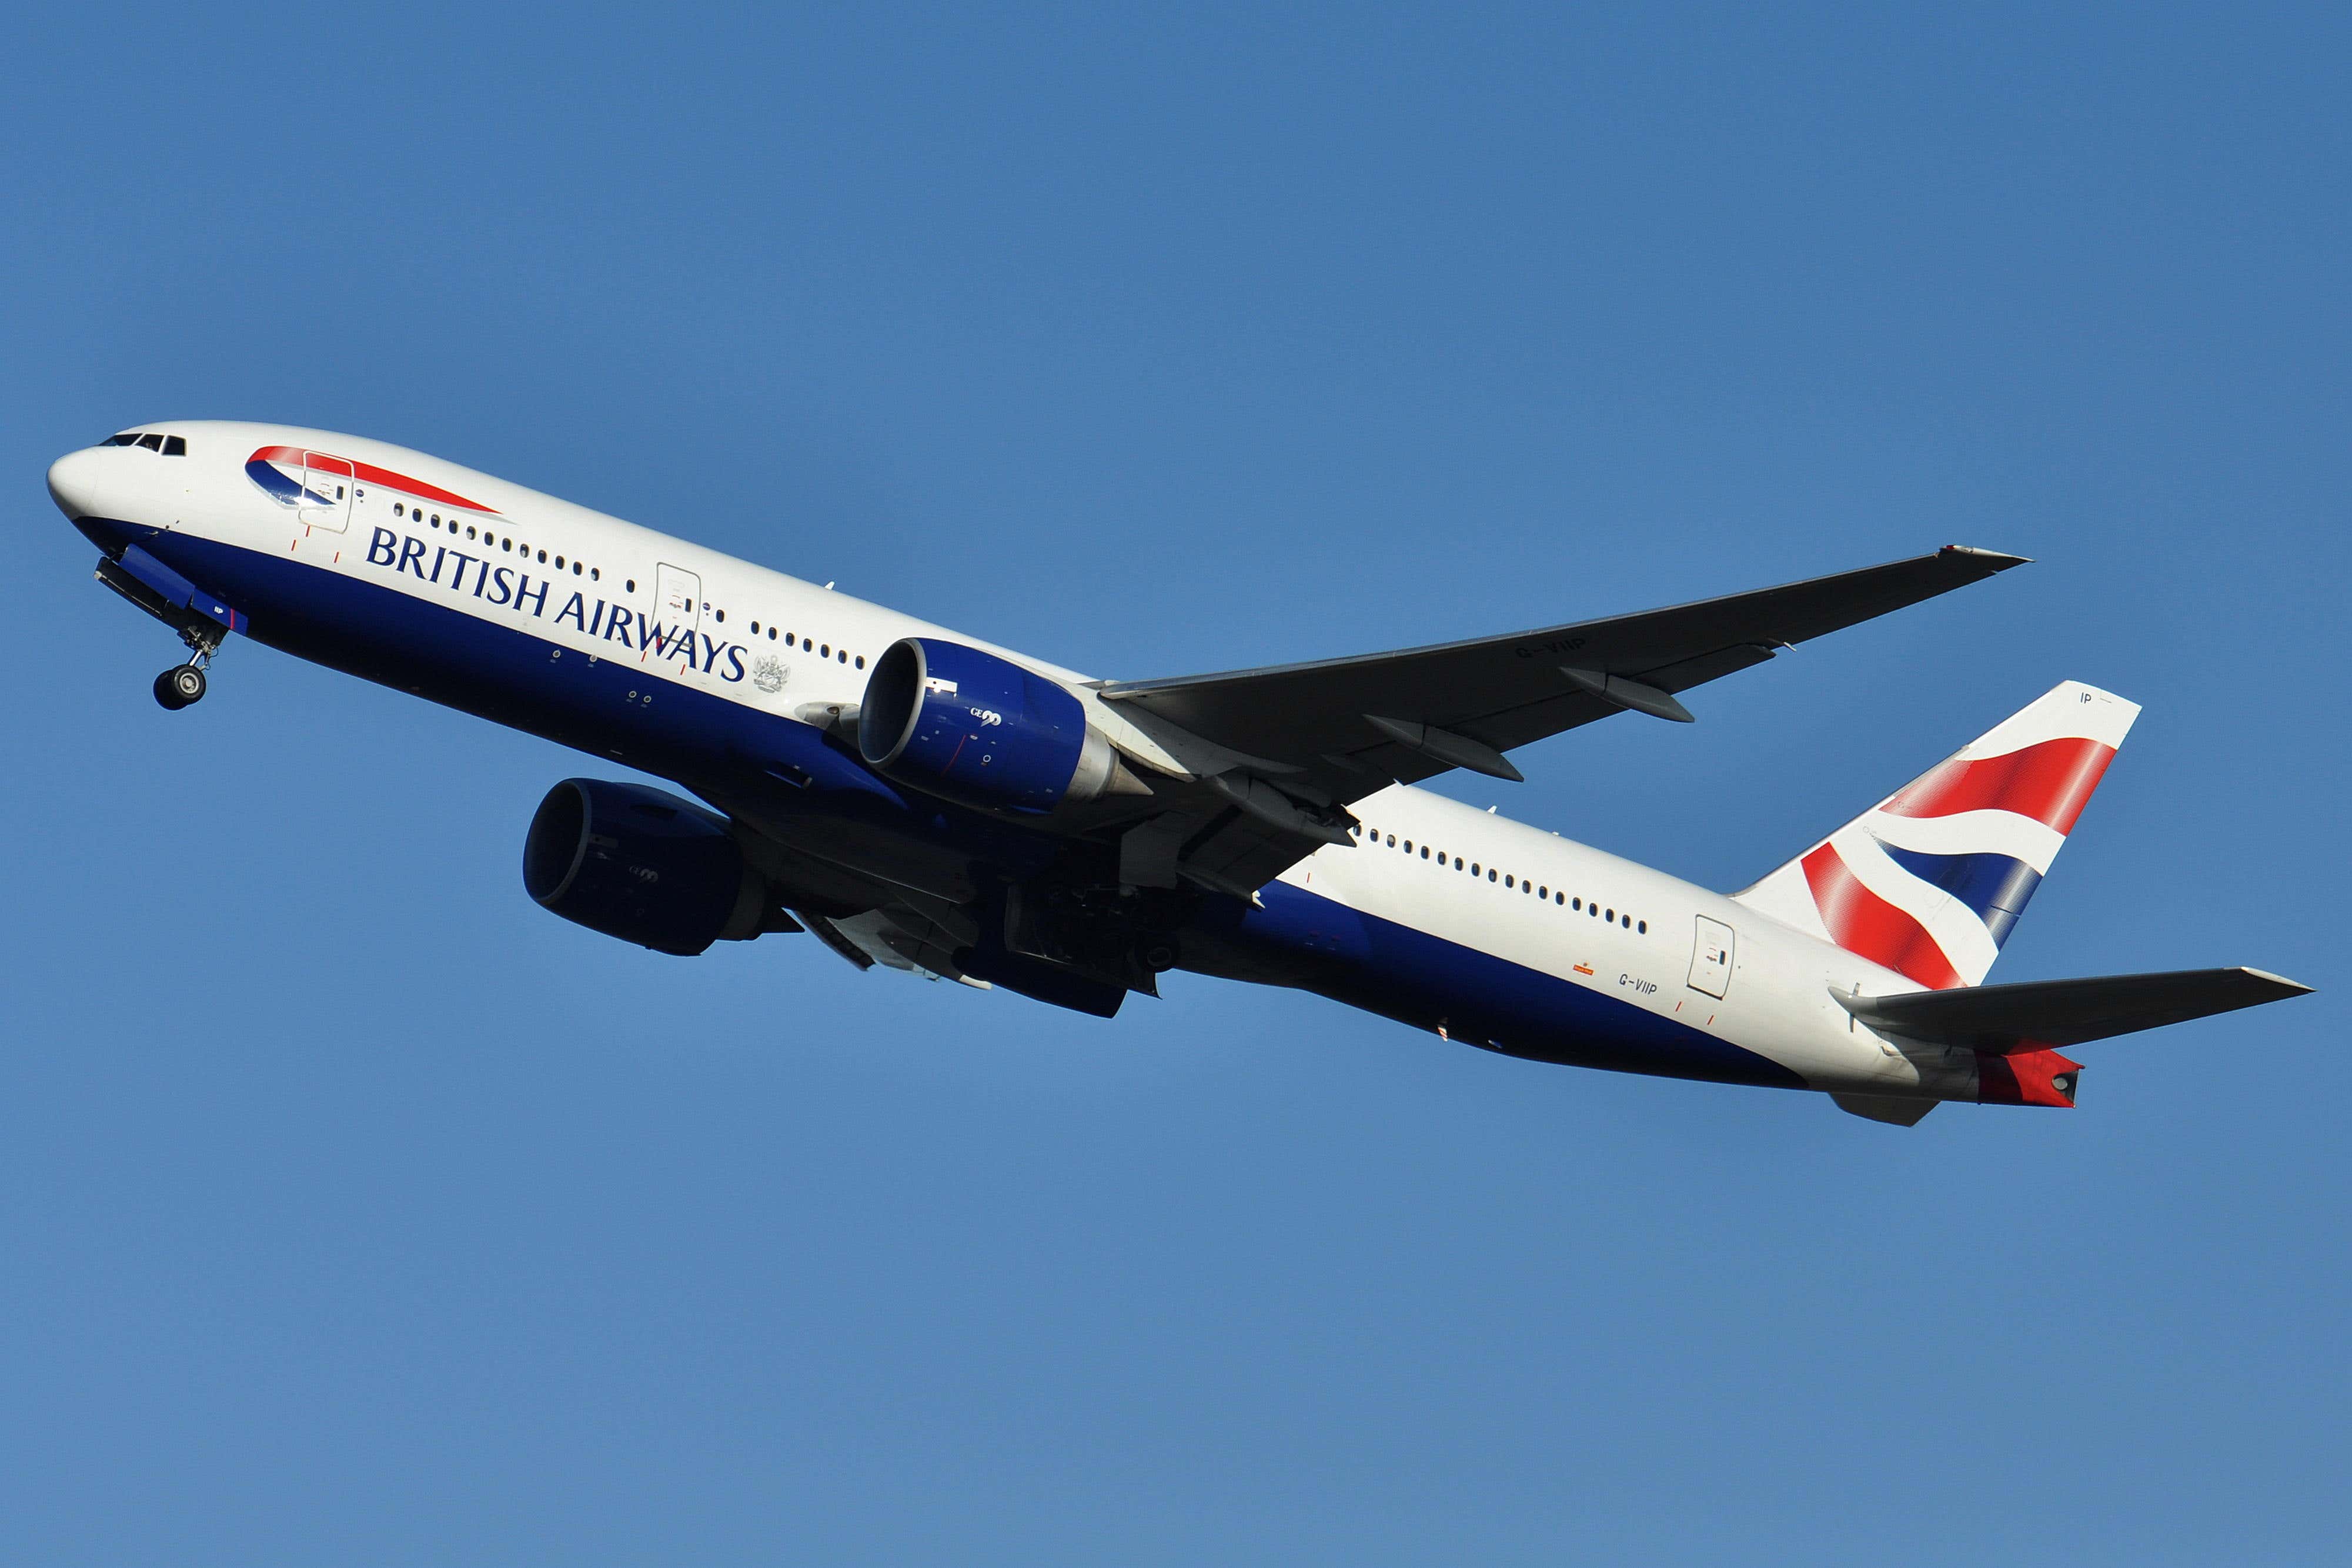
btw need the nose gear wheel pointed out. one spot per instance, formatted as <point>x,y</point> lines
<point>180,685</point>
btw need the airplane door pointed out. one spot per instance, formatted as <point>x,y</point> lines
<point>1710,968</point>
<point>327,487</point>
<point>681,593</point>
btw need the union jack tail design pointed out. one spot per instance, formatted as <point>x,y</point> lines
<point>1929,880</point>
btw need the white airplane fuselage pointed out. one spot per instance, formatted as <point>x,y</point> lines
<point>680,662</point>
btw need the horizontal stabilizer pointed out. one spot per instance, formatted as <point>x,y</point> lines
<point>2041,1014</point>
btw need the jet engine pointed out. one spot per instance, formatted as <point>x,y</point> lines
<point>643,866</point>
<point>954,721</point>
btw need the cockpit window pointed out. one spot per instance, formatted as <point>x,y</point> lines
<point>152,442</point>
<point>175,446</point>
<point>128,438</point>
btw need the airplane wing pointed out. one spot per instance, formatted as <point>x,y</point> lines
<point>2043,1014</point>
<point>1351,725</point>
<point>1309,739</point>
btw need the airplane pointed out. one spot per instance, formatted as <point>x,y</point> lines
<point>930,803</point>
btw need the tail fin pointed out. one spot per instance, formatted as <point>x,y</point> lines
<point>1929,882</point>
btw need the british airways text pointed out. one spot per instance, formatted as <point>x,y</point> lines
<point>514,588</point>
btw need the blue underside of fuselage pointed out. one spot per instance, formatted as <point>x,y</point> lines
<point>1430,983</point>
<point>599,706</point>
<point>621,706</point>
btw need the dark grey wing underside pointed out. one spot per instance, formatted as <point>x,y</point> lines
<point>1298,742</point>
<point>1342,729</point>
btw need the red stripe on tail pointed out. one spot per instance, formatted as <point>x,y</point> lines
<point>2050,781</point>
<point>1865,923</point>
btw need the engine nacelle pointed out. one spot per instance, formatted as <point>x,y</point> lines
<point>955,721</point>
<point>642,865</point>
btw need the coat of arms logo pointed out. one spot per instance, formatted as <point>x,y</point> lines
<point>769,674</point>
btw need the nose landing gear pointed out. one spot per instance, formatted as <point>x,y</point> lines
<point>176,601</point>
<point>182,685</point>
<point>178,686</point>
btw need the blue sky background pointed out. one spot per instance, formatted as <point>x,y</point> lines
<point>353,1210</point>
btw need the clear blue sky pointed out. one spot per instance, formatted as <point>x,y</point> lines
<point>353,1210</point>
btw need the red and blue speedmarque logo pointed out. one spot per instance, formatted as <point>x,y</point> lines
<point>297,476</point>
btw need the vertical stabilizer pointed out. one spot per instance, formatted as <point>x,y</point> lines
<point>1929,882</point>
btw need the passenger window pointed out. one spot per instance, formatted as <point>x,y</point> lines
<point>861,661</point>
<point>1643,929</point>
<point>398,510</point>
<point>151,442</point>
<point>1425,852</point>
<point>771,634</point>
<point>721,617</point>
<point>1392,840</point>
<point>542,555</point>
<point>1490,873</point>
<point>595,573</point>
<point>177,446</point>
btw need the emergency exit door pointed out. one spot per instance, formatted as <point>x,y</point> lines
<point>1710,968</point>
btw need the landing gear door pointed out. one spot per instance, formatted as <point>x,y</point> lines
<point>327,487</point>
<point>1710,968</point>
<point>681,594</point>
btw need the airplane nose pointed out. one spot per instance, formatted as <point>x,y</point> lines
<point>73,482</point>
